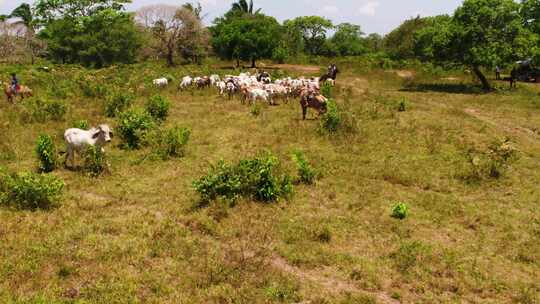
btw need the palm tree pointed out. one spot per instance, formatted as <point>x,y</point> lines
<point>244,7</point>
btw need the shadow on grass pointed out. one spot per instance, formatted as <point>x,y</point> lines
<point>450,88</point>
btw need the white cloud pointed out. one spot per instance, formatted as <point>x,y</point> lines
<point>330,9</point>
<point>369,8</point>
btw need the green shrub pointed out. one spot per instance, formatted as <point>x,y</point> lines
<point>82,124</point>
<point>327,90</point>
<point>171,142</point>
<point>402,106</point>
<point>331,120</point>
<point>255,178</point>
<point>30,190</point>
<point>46,153</point>
<point>133,127</point>
<point>158,107</point>
<point>255,109</point>
<point>492,163</point>
<point>306,173</point>
<point>117,103</point>
<point>280,54</point>
<point>400,211</point>
<point>95,163</point>
<point>42,110</point>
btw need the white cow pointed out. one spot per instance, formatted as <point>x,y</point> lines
<point>160,82</point>
<point>187,81</point>
<point>214,79</point>
<point>77,140</point>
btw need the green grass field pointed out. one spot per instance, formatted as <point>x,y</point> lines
<point>138,234</point>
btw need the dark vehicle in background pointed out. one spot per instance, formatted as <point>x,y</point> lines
<point>525,71</point>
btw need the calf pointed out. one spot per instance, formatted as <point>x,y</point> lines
<point>160,82</point>
<point>311,99</point>
<point>77,140</point>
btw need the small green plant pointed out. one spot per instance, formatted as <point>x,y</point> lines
<point>30,190</point>
<point>82,124</point>
<point>327,90</point>
<point>171,142</point>
<point>331,120</point>
<point>400,211</point>
<point>95,162</point>
<point>254,178</point>
<point>133,127</point>
<point>402,106</point>
<point>306,173</point>
<point>42,110</point>
<point>255,109</point>
<point>46,153</point>
<point>158,107</point>
<point>117,103</point>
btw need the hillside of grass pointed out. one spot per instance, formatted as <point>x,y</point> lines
<point>139,233</point>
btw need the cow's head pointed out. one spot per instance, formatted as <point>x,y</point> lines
<point>103,134</point>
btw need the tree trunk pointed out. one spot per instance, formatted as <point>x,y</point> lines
<point>237,63</point>
<point>170,59</point>
<point>485,83</point>
<point>253,63</point>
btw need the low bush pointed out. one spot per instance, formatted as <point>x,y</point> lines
<point>492,163</point>
<point>306,173</point>
<point>46,154</point>
<point>95,163</point>
<point>400,211</point>
<point>171,142</point>
<point>255,109</point>
<point>133,127</point>
<point>158,107</point>
<point>42,110</point>
<point>337,119</point>
<point>82,124</point>
<point>30,190</point>
<point>118,102</point>
<point>327,90</point>
<point>255,178</point>
<point>280,54</point>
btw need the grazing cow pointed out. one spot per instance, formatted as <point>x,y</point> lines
<point>187,81</point>
<point>311,99</point>
<point>77,140</point>
<point>222,87</point>
<point>161,82</point>
<point>214,79</point>
<point>231,88</point>
<point>11,94</point>
<point>203,82</point>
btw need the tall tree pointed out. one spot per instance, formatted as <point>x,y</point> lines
<point>25,17</point>
<point>530,11</point>
<point>244,7</point>
<point>48,10</point>
<point>246,38</point>
<point>399,43</point>
<point>481,33</point>
<point>348,40</point>
<point>313,30</point>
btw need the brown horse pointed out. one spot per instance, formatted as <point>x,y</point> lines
<point>11,94</point>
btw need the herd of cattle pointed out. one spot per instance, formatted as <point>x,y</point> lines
<point>260,87</point>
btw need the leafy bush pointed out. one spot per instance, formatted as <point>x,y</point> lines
<point>30,190</point>
<point>331,120</point>
<point>338,120</point>
<point>158,107</point>
<point>402,106</point>
<point>171,142</point>
<point>82,124</point>
<point>400,211</point>
<point>327,90</point>
<point>95,162</point>
<point>255,178</point>
<point>306,173</point>
<point>280,54</point>
<point>46,153</point>
<point>492,163</point>
<point>133,126</point>
<point>255,109</point>
<point>117,103</point>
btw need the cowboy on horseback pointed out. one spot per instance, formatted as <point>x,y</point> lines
<point>15,83</point>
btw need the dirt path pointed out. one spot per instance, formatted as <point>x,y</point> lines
<point>331,284</point>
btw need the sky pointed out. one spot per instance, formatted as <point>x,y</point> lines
<point>374,16</point>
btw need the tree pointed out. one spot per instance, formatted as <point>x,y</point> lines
<point>195,9</point>
<point>243,7</point>
<point>530,11</point>
<point>348,40</point>
<point>399,44</point>
<point>26,18</point>
<point>246,38</point>
<point>49,10</point>
<point>481,33</point>
<point>313,30</point>
<point>178,30</point>
<point>106,37</point>
<point>373,43</point>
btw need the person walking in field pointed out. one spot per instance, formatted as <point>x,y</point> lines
<point>497,73</point>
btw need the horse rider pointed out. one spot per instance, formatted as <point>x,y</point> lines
<point>15,87</point>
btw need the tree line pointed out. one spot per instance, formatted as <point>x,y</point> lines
<point>479,34</point>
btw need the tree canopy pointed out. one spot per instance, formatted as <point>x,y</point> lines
<point>49,10</point>
<point>313,30</point>
<point>348,40</point>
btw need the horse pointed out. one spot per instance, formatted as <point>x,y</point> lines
<point>11,94</point>
<point>330,74</point>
